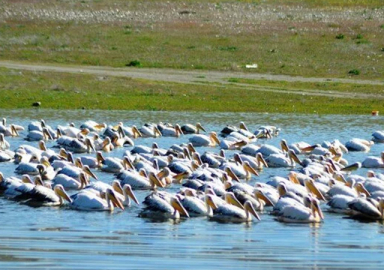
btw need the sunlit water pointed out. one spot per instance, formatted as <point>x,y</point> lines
<point>59,238</point>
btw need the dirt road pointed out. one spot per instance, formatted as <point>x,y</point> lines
<point>199,77</point>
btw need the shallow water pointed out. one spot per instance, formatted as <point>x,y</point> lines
<point>60,238</point>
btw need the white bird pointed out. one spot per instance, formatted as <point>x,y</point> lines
<point>301,214</point>
<point>204,140</point>
<point>360,145</point>
<point>378,136</point>
<point>373,162</point>
<point>89,201</point>
<point>231,213</point>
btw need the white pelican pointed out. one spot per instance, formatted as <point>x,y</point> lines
<point>41,195</point>
<point>93,126</point>
<point>301,214</point>
<point>9,131</point>
<point>131,132</point>
<point>374,162</point>
<point>109,164</point>
<point>378,136</point>
<point>361,145</point>
<point>282,160</point>
<point>120,142</point>
<point>150,131</point>
<point>191,129</point>
<point>339,204</point>
<point>89,201</point>
<point>231,213</point>
<point>194,205</point>
<point>204,140</point>
<point>4,144</point>
<point>171,131</point>
<point>69,182</point>
<point>164,205</point>
<point>137,181</point>
<point>6,155</point>
<point>129,195</point>
<point>363,208</point>
<point>75,172</point>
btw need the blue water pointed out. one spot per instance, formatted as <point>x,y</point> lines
<point>59,238</point>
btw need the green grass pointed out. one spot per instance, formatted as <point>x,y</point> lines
<point>199,42</point>
<point>314,86</point>
<point>19,89</point>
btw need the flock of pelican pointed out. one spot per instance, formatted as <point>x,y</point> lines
<point>183,182</point>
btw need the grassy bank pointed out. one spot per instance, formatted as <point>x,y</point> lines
<point>19,89</point>
<point>308,38</point>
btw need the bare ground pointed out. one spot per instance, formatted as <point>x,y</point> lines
<point>216,78</point>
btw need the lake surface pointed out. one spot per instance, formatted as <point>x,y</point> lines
<point>60,238</point>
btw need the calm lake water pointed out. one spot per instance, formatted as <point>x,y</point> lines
<point>59,238</point>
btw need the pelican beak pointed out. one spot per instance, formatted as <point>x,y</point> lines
<point>89,172</point>
<point>308,148</point>
<point>210,202</point>
<point>284,146</point>
<point>214,138</point>
<point>249,207</point>
<point>293,178</point>
<point>59,190</point>
<point>128,163</point>
<point>200,127</point>
<point>231,199</point>
<point>129,192</point>
<point>155,181</point>
<point>314,190</point>
<point>156,132</point>
<point>319,211</point>
<point>340,177</point>
<point>261,160</point>
<point>179,207</point>
<point>178,131</point>
<point>243,126</point>
<point>114,200</point>
<point>361,189</point>
<point>136,132</point>
<point>89,144</point>
<point>260,195</point>
<point>249,169</point>
<point>179,177</point>
<point>295,158</point>
<point>14,131</point>
<point>100,126</point>
<point>84,131</point>
<point>352,167</point>
<point>239,144</point>
<point>232,174</point>
<point>117,187</point>
<point>191,148</point>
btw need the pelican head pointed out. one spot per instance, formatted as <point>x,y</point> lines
<point>248,207</point>
<point>110,195</point>
<point>199,127</point>
<point>231,199</point>
<point>261,161</point>
<point>316,210</point>
<point>311,187</point>
<point>214,139</point>
<point>129,192</point>
<point>259,194</point>
<point>176,204</point>
<point>249,169</point>
<point>362,190</point>
<point>60,192</point>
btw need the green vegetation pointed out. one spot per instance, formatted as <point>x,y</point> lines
<point>210,35</point>
<point>20,89</point>
<point>314,86</point>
